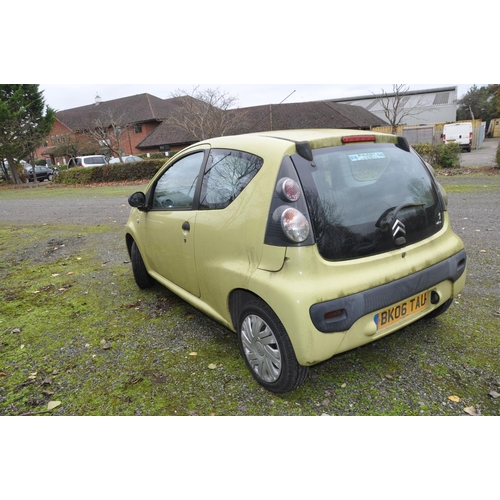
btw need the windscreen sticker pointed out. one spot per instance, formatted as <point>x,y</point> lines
<point>366,156</point>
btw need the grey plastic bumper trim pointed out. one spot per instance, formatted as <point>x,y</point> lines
<point>359,304</point>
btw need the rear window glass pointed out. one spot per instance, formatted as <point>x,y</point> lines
<point>95,160</point>
<point>227,173</point>
<point>352,191</point>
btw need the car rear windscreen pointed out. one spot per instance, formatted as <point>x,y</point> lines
<point>366,199</point>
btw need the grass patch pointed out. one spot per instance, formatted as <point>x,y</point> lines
<point>471,188</point>
<point>49,190</point>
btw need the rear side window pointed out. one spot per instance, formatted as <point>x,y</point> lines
<point>227,173</point>
<point>95,160</point>
<point>352,192</point>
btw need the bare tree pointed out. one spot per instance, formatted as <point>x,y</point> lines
<point>394,105</point>
<point>203,113</point>
<point>109,132</point>
<point>75,145</point>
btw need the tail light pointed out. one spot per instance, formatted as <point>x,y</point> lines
<point>288,189</point>
<point>293,223</point>
<point>288,222</point>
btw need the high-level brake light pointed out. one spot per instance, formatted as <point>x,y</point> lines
<point>358,138</point>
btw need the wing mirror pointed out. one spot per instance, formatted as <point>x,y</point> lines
<point>137,200</point>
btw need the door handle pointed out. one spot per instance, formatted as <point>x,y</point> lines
<point>186,226</point>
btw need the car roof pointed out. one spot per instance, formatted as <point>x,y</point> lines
<point>317,138</point>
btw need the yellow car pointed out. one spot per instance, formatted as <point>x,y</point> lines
<point>306,243</point>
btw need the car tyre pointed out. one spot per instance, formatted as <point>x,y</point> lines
<point>141,276</point>
<point>267,350</point>
<point>440,310</point>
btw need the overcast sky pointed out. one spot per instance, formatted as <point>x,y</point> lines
<point>67,96</point>
<point>196,42</point>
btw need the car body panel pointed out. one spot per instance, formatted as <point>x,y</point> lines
<point>165,235</point>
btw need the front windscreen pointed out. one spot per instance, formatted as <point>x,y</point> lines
<point>366,199</point>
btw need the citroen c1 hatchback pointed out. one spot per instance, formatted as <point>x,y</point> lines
<point>306,243</point>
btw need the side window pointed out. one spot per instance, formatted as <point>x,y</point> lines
<point>227,173</point>
<point>176,187</point>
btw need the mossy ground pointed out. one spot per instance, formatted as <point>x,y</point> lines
<point>75,328</point>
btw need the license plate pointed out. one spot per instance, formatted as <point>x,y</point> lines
<point>399,312</point>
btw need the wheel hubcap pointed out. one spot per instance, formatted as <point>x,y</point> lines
<point>261,348</point>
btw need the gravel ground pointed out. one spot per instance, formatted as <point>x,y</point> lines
<point>78,211</point>
<point>474,217</point>
<point>473,206</point>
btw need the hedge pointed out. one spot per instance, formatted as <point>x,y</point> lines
<point>115,172</point>
<point>439,155</point>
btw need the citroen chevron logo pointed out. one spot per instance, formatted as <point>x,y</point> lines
<point>399,232</point>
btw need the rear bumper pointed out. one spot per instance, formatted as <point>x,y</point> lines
<point>360,304</point>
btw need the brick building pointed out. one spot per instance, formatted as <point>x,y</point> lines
<point>137,116</point>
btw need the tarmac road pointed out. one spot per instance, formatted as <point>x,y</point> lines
<point>484,157</point>
<point>78,211</point>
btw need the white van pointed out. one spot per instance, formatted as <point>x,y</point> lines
<point>460,133</point>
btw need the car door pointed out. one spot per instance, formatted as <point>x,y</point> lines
<point>170,223</point>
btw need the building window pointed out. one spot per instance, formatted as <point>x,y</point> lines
<point>138,128</point>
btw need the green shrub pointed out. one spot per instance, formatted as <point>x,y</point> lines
<point>497,159</point>
<point>116,172</point>
<point>449,155</point>
<point>428,152</point>
<point>439,155</point>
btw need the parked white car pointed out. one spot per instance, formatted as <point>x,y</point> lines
<point>88,161</point>
<point>126,159</point>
